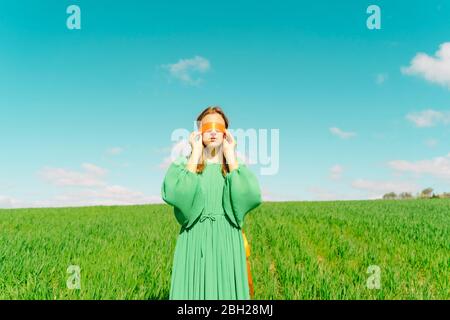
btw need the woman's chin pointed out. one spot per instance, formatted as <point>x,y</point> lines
<point>214,144</point>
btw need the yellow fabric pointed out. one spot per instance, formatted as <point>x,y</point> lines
<point>249,274</point>
<point>247,247</point>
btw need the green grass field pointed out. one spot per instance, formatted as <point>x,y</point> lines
<point>299,250</point>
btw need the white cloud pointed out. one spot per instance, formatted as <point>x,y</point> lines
<point>94,170</point>
<point>92,176</point>
<point>269,195</point>
<point>184,68</point>
<point>342,134</point>
<point>114,151</point>
<point>336,172</point>
<point>103,196</point>
<point>431,143</point>
<point>434,69</point>
<point>84,188</point>
<point>322,194</point>
<point>8,202</point>
<point>107,195</point>
<point>428,118</point>
<point>180,148</point>
<point>438,167</point>
<point>377,188</point>
<point>381,78</point>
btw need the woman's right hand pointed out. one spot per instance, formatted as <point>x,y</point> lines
<point>196,142</point>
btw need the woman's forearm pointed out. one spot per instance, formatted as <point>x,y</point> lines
<point>193,161</point>
<point>232,161</point>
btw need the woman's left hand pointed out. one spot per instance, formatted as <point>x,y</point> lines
<point>229,144</point>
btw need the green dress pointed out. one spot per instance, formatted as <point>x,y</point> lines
<point>209,261</point>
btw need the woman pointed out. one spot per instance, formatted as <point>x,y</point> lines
<point>211,193</point>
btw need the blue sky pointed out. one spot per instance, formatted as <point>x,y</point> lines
<point>87,115</point>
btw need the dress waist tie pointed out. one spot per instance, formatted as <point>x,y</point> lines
<point>212,216</point>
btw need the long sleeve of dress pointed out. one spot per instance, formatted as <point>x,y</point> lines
<point>181,189</point>
<point>241,194</point>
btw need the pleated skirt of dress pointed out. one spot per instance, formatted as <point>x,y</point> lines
<point>210,262</point>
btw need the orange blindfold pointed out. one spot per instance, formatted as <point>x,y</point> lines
<point>213,125</point>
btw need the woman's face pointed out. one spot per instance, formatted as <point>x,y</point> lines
<point>212,137</point>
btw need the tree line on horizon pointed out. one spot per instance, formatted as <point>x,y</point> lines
<point>426,193</point>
